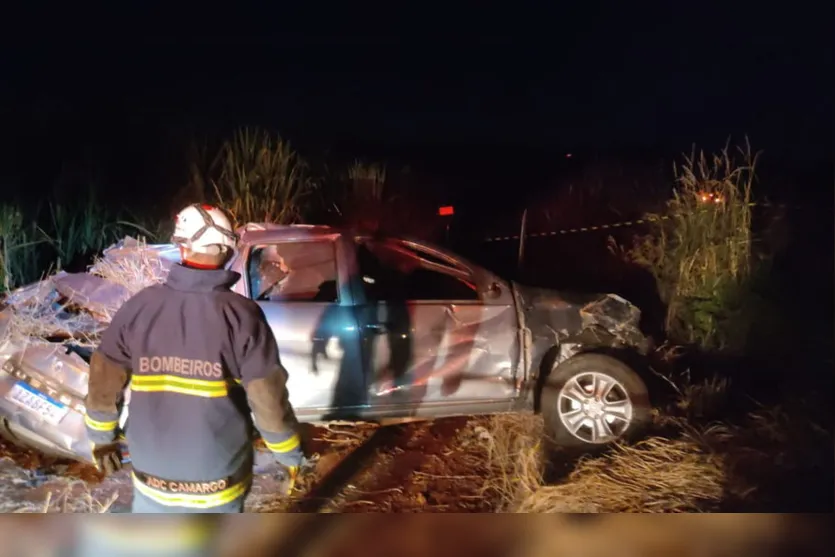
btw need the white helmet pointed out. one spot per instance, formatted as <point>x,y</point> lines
<point>200,226</point>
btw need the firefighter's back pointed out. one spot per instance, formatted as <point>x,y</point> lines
<point>188,415</point>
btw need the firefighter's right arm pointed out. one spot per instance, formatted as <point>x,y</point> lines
<point>265,381</point>
<point>109,375</point>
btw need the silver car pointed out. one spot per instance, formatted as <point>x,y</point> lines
<point>380,327</point>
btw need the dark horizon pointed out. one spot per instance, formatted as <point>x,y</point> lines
<point>633,83</point>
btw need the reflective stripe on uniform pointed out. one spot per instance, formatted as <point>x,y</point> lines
<point>100,426</point>
<point>284,446</point>
<point>192,501</point>
<point>181,385</point>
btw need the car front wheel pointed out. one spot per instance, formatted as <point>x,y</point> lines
<point>592,400</point>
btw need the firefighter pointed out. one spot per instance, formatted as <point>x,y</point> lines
<point>198,357</point>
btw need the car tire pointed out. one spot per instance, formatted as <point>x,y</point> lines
<point>559,403</point>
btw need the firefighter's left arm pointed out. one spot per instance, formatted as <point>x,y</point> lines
<point>109,375</point>
<point>265,381</point>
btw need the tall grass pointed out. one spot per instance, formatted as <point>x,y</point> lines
<point>368,181</point>
<point>19,243</point>
<point>700,251</point>
<point>260,178</point>
<point>371,198</point>
<point>363,196</point>
<point>66,234</point>
<point>83,228</point>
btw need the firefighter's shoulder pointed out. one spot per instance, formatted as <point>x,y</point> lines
<point>240,310</point>
<point>133,306</point>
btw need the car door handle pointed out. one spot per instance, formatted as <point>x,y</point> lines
<point>377,328</point>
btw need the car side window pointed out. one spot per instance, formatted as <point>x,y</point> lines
<point>293,272</point>
<point>390,274</point>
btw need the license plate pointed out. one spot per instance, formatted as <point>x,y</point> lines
<point>49,409</point>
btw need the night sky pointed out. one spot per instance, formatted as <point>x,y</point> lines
<point>653,79</point>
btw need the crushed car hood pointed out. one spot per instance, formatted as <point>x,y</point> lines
<point>565,318</point>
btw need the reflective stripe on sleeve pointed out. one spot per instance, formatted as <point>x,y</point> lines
<point>192,501</point>
<point>100,426</point>
<point>284,446</point>
<point>181,385</point>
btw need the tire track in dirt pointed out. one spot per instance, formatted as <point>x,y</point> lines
<point>414,467</point>
<point>384,480</point>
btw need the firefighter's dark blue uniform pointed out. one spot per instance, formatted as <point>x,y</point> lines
<point>197,357</point>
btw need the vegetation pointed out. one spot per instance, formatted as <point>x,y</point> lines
<point>692,461</point>
<point>260,178</point>
<point>700,251</point>
<point>372,198</point>
<point>18,248</point>
<point>368,181</point>
<point>255,177</point>
<point>68,235</point>
<point>362,201</point>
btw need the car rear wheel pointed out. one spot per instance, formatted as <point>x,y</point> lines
<point>592,400</point>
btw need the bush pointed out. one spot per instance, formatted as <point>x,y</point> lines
<point>701,251</point>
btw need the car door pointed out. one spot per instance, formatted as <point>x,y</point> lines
<point>297,284</point>
<point>431,336</point>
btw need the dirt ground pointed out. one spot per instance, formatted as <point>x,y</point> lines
<point>429,466</point>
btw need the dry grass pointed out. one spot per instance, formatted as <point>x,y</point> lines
<point>514,451</point>
<point>690,464</point>
<point>38,311</point>
<point>655,475</point>
<point>42,317</point>
<point>140,269</point>
<point>25,490</point>
<point>70,501</point>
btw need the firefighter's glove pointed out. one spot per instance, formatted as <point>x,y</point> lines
<point>290,459</point>
<point>289,474</point>
<point>107,458</point>
<point>288,479</point>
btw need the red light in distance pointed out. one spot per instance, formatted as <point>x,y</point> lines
<point>446,211</point>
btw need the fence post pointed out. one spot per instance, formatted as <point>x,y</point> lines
<point>521,254</point>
